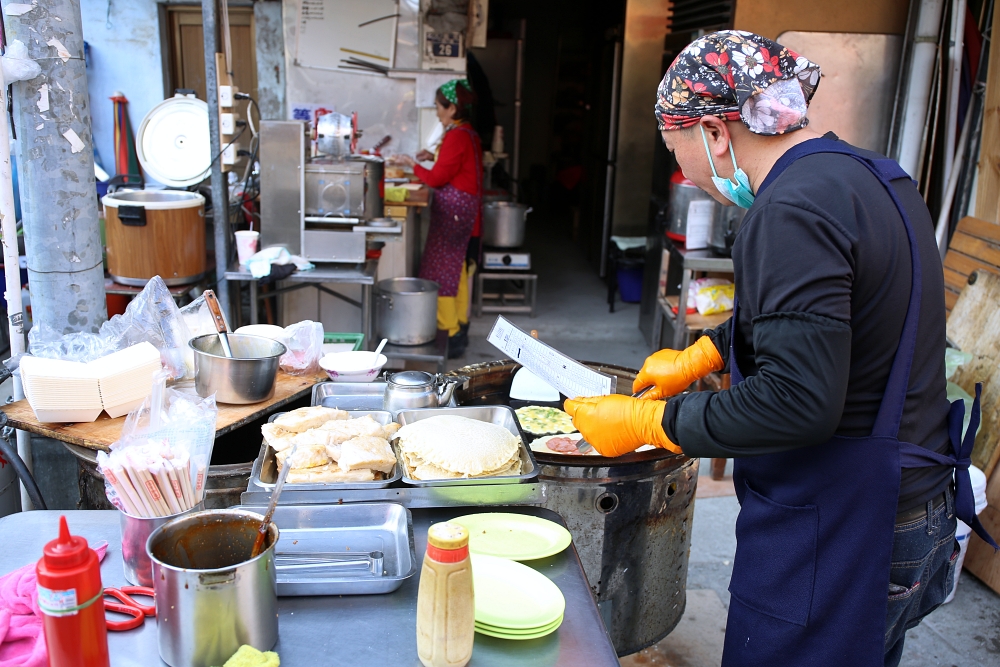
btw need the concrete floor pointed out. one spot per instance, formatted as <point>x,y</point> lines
<point>572,316</point>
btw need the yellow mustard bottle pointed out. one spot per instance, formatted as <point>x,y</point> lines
<point>446,610</point>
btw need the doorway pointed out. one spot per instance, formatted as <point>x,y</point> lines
<point>185,51</point>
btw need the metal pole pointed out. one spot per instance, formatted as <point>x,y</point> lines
<point>220,193</point>
<point>58,196</point>
<point>609,181</point>
<point>955,34</point>
<point>12,273</point>
<point>518,84</point>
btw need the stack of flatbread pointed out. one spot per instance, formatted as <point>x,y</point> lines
<point>449,446</point>
<point>331,446</point>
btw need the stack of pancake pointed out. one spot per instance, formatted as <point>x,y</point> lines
<point>450,447</point>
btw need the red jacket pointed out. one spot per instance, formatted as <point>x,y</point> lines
<point>459,162</point>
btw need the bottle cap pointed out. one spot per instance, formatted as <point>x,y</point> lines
<point>66,550</point>
<point>447,536</point>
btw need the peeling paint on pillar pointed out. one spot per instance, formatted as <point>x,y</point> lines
<point>58,196</point>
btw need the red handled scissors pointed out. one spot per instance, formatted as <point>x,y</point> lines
<point>128,606</point>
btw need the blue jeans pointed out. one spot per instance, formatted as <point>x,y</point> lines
<point>924,552</point>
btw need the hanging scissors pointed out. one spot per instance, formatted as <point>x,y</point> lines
<point>128,606</point>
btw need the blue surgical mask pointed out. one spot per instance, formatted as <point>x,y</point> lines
<point>739,192</point>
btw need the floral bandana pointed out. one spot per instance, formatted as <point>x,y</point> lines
<point>734,74</point>
<point>448,89</point>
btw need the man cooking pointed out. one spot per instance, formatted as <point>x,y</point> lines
<point>844,442</point>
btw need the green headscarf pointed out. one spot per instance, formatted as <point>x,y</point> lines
<point>449,92</point>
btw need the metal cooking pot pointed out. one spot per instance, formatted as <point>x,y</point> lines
<point>503,224</point>
<point>210,597</point>
<point>248,377</point>
<point>406,311</point>
<point>682,193</point>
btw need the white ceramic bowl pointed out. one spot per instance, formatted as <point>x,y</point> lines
<point>271,331</point>
<point>352,366</point>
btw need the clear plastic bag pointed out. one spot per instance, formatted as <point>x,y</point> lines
<point>159,466</point>
<point>198,320</point>
<point>712,299</point>
<point>304,341</point>
<point>152,317</point>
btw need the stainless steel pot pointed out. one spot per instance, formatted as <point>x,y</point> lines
<point>406,311</point>
<point>248,377</point>
<point>727,224</point>
<point>411,390</point>
<point>682,193</point>
<point>210,597</point>
<point>504,223</point>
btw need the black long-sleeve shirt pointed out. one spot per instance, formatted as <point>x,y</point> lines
<point>823,275</point>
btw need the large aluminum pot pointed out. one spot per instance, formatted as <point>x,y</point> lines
<point>503,224</point>
<point>247,377</point>
<point>406,313</point>
<point>210,597</point>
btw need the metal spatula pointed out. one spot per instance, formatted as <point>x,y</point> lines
<point>585,447</point>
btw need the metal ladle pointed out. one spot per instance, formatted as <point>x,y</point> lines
<point>220,322</point>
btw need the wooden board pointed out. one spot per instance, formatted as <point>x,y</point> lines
<point>981,560</point>
<point>974,326</point>
<point>975,246</point>
<point>988,187</point>
<point>101,433</point>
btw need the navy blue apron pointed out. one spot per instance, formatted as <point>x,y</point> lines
<point>814,535</point>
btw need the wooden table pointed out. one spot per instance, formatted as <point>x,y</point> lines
<point>101,433</point>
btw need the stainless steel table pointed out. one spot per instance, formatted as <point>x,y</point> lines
<point>361,630</point>
<point>350,274</point>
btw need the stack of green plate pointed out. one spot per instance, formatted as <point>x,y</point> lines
<point>514,601</point>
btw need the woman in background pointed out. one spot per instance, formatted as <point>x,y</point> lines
<point>457,178</point>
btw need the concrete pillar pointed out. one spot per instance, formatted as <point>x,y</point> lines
<point>56,163</point>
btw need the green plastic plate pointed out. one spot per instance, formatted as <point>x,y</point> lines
<point>514,536</point>
<point>529,631</point>
<point>513,596</point>
<point>501,635</point>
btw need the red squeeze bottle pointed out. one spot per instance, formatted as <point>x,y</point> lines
<point>70,598</point>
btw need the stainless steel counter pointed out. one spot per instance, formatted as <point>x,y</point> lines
<point>351,630</point>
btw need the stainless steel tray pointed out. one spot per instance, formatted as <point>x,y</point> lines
<point>500,415</point>
<point>361,528</point>
<point>350,395</point>
<point>265,468</point>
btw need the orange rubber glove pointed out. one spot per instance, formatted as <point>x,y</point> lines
<point>618,424</point>
<point>672,371</point>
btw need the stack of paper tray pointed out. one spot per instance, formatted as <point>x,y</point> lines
<point>70,391</point>
<point>61,391</point>
<point>126,377</point>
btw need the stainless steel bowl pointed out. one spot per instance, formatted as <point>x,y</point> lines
<point>248,377</point>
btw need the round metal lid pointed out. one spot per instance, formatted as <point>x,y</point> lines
<point>411,379</point>
<point>173,142</point>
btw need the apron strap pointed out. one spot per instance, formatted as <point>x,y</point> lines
<point>913,456</point>
<point>890,413</point>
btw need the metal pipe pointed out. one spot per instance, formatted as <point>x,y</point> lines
<point>925,50</point>
<point>902,81</point>
<point>12,274</point>
<point>220,193</point>
<point>954,84</point>
<point>58,195</point>
<point>609,180</point>
<point>518,84</point>
<point>944,217</point>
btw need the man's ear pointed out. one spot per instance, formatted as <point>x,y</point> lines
<point>717,135</point>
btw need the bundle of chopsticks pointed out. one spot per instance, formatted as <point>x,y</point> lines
<point>153,480</point>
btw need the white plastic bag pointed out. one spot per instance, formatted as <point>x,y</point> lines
<point>159,466</point>
<point>697,284</point>
<point>152,317</point>
<point>304,341</point>
<point>17,66</point>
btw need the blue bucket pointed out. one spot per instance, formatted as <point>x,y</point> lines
<point>630,283</point>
